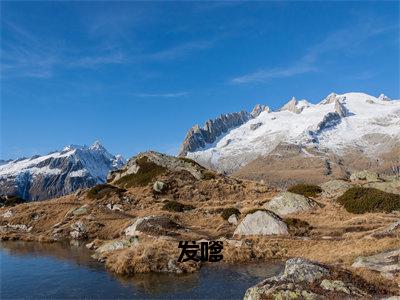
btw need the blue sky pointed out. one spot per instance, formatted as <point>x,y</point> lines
<point>138,75</point>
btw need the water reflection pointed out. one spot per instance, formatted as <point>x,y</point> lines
<point>59,270</point>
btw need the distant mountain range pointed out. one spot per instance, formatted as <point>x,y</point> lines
<point>340,133</point>
<point>300,142</point>
<point>57,173</point>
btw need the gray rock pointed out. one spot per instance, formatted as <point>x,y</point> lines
<point>255,126</point>
<point>258,109</point>
<point>16,227</point>
<point>153,225</point>
<point>168,162</point>
<point>299,269</point>
<point>335,188</point>
<point>287,203</point>
<point>83,210</point>
<point>261,223</point>
<point>387,263</point>
<point>7,214</point>
<point>198,137</point>
<point>159,186</point>
<point>117,245</point>
<point>114,207</point>
<point>300,280</point>
<point>78,231</point>
<point>340,286</point>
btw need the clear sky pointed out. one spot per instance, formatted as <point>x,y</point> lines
<point>138,75</point>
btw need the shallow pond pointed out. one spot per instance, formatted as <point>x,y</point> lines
<point>36,270</point>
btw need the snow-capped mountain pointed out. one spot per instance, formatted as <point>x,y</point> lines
<point>337,124</point>
<point>57,173</point>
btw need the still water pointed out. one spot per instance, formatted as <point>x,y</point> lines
<point>35,270</point>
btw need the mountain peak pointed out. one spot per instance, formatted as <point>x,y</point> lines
<point>258,109</point>
<point>383,97</point>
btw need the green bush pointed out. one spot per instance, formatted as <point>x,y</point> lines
<point>227,212</point>
<point>308,190</point>
<point>104,190</point>
<point>361,200</point>
<point>207,175</point>
<point>298,227</point>
<point>176,206</point>
<point>148,171</point>
<point>11,200</point>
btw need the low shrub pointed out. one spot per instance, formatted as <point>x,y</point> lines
<point>148,172</point>
<point>10,200</point>
<point>361,200</point>
<point>227,212</point>
<point>308,190</point>
<point>176,206</point>
<point>207,175</point>
<point>298,227</point>
<point>104,190</point>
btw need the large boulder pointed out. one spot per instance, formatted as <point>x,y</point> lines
<point>335,188</point>
<point>261,222</point>
<point>304,279</point>
<point>387,263</point>
<point>286,203</point>
<point>152,225</point>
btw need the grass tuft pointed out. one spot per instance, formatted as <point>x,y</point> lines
<point>176,206</point>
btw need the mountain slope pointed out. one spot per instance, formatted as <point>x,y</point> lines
<point>57,173</point>
<point>339,124</point>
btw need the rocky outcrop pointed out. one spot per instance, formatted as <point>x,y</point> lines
<point>159,186</point>
<point>335,188</point>
<point>304,279</point>
<point>365,175</point>
<point>295,106</point>
<point>198,137</point>
<point>117,245</point>
<point>286,203</point>
<point>261,222</point>
<point>340,109</point>
<point>166,162</point>
<point>387,263</point>
<point>152,225</point>
<point>258,109</point>
<point>58,173</point>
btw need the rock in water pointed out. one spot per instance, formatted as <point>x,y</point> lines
<point>287,203</point>
<point>261,223</point>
